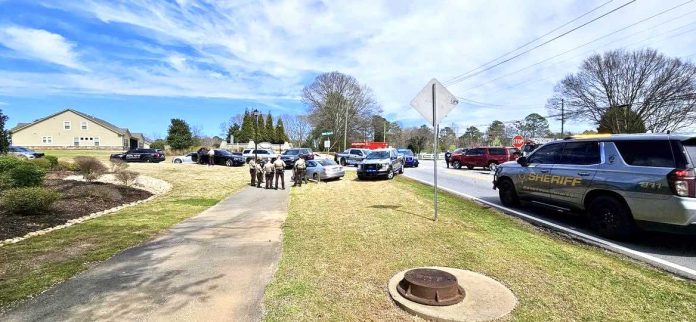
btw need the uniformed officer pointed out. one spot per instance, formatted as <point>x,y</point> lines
<point>259,174</point>
<point>279,172</point>
<point>252,171</point>
<point>300,167</point>
<point>269,169</point>
<point>448,156</point>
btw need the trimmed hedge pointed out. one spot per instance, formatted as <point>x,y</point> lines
<point>28,200</point>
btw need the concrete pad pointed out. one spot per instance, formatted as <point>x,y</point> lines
<point>486,299</point>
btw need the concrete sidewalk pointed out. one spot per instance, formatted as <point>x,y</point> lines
<point>212,267</point>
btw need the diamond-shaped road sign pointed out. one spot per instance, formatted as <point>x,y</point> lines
<point>444,102</point>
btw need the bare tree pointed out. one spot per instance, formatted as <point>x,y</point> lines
<point>660,90</point>
<point>297,127</point>
<point>338,103</point>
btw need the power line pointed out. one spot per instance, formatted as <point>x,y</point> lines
<point>463,77</point>
<point>535,39</point>
<point>595,40</point>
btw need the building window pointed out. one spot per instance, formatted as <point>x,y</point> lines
<point>67,125</point>
<point>47,139</point>
<point>76,141</point>
<point>83,125</point>
<point>96,141</point>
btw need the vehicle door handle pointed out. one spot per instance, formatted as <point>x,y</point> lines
<point>583,174</point>
<point>544,171</point>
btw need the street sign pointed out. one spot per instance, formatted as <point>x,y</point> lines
<point>434,102</point>
<point>444,102</point>
<point>518,141</point>
<point>327,144</point>
<point>327,133</point>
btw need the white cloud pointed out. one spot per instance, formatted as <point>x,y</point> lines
<point>40,44</point>
<point>265,50</point>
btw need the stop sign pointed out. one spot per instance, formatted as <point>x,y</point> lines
<point>518,141</point>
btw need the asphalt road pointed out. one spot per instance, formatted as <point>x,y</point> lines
<point>674,253</point>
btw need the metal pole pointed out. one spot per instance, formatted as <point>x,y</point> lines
<point>436,128</point>
<point>256,136</point>
<point>562,116</point>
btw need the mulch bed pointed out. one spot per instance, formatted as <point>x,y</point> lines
<point>70,206</point>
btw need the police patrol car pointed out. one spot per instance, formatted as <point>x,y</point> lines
<point>620,181</point>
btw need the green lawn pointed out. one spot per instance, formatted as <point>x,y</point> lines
<point>344,240</point>
<point>30,266</point>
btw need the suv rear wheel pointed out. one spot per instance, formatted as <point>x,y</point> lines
<point>343,162</point>
<point>610,217</point>
<point>508,194</point>
<point>456,164</point>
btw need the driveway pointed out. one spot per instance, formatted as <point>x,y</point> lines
<point>212,267</point>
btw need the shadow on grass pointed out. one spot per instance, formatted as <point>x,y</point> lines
<point>397,208</point>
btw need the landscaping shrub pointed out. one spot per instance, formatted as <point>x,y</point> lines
<point>97,191</point>
<point>118,165</point>
<point>42,163</point>
<point>25,174</point>
<point>126,177</point>
<point>9,162</point>
<point>67,166</point>
<point>28,200</point>
<point>90,168</point>
<point>53,161</point>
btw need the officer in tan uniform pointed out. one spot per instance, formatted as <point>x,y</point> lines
<point>269,169</point>
<point>300,167</point>
<point>279,166</point>
<point>259,174</point>
<point>252,171</point>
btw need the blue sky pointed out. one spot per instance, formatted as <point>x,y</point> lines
<point>140,63</point>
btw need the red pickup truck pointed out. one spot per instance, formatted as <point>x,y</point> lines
<point>486,157</point>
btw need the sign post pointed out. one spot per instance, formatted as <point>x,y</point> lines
<point>518,141</point>
<point>434,102</point>
<point>327,142</point>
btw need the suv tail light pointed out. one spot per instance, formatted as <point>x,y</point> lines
<point>683,182</point>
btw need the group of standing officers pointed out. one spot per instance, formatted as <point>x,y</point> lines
<point>258,169</point>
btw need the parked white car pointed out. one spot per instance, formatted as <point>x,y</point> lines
<point>184,158</point>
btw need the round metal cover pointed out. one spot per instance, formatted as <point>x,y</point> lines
<point>430,287</point>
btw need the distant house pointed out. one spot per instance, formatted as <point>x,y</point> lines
<point>70,129</point>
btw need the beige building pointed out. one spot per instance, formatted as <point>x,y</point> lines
<point>70,129</point>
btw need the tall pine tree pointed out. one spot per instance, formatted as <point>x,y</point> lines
<point>268,129</point>
<point>179,135</point>
<point>4,134</point>
<point>246,133</point>
<point>280,135</point>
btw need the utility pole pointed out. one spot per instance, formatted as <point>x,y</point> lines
<point>562,117</point>
<point>384,136</point>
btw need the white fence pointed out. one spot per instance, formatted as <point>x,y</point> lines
<point>430,156</point>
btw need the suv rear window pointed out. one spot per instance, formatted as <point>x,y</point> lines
<point>653,153</point>
<point>496,151</point>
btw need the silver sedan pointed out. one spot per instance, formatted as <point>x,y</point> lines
<point>324,169</point>
<point>185,158</point>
